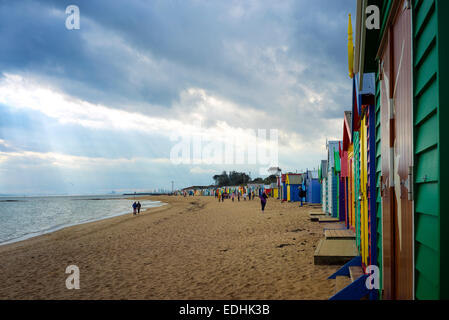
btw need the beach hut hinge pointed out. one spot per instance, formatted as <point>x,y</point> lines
<point>410,183</point>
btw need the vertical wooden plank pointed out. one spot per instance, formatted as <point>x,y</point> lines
<point>387,221</point>
<point>403,151</point>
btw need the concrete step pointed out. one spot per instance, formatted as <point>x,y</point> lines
<point>315,216</point>
<point>335,252</point>
<point>317,213</point>
<point>333,226</point>
<point>339,234</point>
<point>327,219</point>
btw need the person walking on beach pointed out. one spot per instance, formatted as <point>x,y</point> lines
<point>233,196</point>
<point>138,207</point>
<point>263,200</point>
<point>134,208</point>
<point>302,194</point>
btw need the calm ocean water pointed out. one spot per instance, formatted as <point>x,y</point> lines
<point>25,217</point>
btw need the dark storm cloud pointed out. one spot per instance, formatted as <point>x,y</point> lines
<point>206,44</point>
<point>278,64</point>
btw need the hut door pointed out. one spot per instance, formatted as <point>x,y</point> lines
<point>351,195</point>
<point>397,157</point>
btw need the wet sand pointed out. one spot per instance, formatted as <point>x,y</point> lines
<point>192,248</point>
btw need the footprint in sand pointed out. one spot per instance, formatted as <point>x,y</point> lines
<point>284,245</point>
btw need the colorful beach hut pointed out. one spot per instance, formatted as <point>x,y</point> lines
<point>284,187</point>
<point>312,186</point>
<point>324,188</point>
<point>345,175</point>
<point>274,190</point>
<point>333,178</point>
<point>293,181</point>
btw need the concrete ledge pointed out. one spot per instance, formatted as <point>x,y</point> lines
<point>315,216</point>
<point>335,252</point>
<point>327,219</point>
<point>333,226</point>
<point>339,234</point>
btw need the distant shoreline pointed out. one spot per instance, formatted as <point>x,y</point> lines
<point>7,196</point>
<point>146,194</point>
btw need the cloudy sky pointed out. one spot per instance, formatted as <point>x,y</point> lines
<point>105,107</point>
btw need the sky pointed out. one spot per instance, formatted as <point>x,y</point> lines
<point>116,104</point>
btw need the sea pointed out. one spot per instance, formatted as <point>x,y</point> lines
<point>25,217</point>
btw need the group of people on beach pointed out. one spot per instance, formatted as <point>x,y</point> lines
<point>233,195</point>
<point>136,207</point>
<point>263,197</point>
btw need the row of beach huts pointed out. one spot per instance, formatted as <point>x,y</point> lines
<point>286,188</point>
<point>386,179</point>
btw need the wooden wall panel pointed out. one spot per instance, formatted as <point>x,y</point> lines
<point>403,150</point>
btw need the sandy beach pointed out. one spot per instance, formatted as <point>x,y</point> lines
<point>192,248</point>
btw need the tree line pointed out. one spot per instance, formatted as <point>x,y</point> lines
<point>235,178</point>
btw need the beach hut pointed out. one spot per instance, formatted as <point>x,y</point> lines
<point>345,175</point>
<point>332,178</point>
<point>274,190</point>
<point>351,181</point>
<point>293,181</point>
<point>324,188</point>
<point>340,185</point>
<point>366,219</point>
<point>284,187</point>
<point>267,189</point>
<point>312,186</point>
